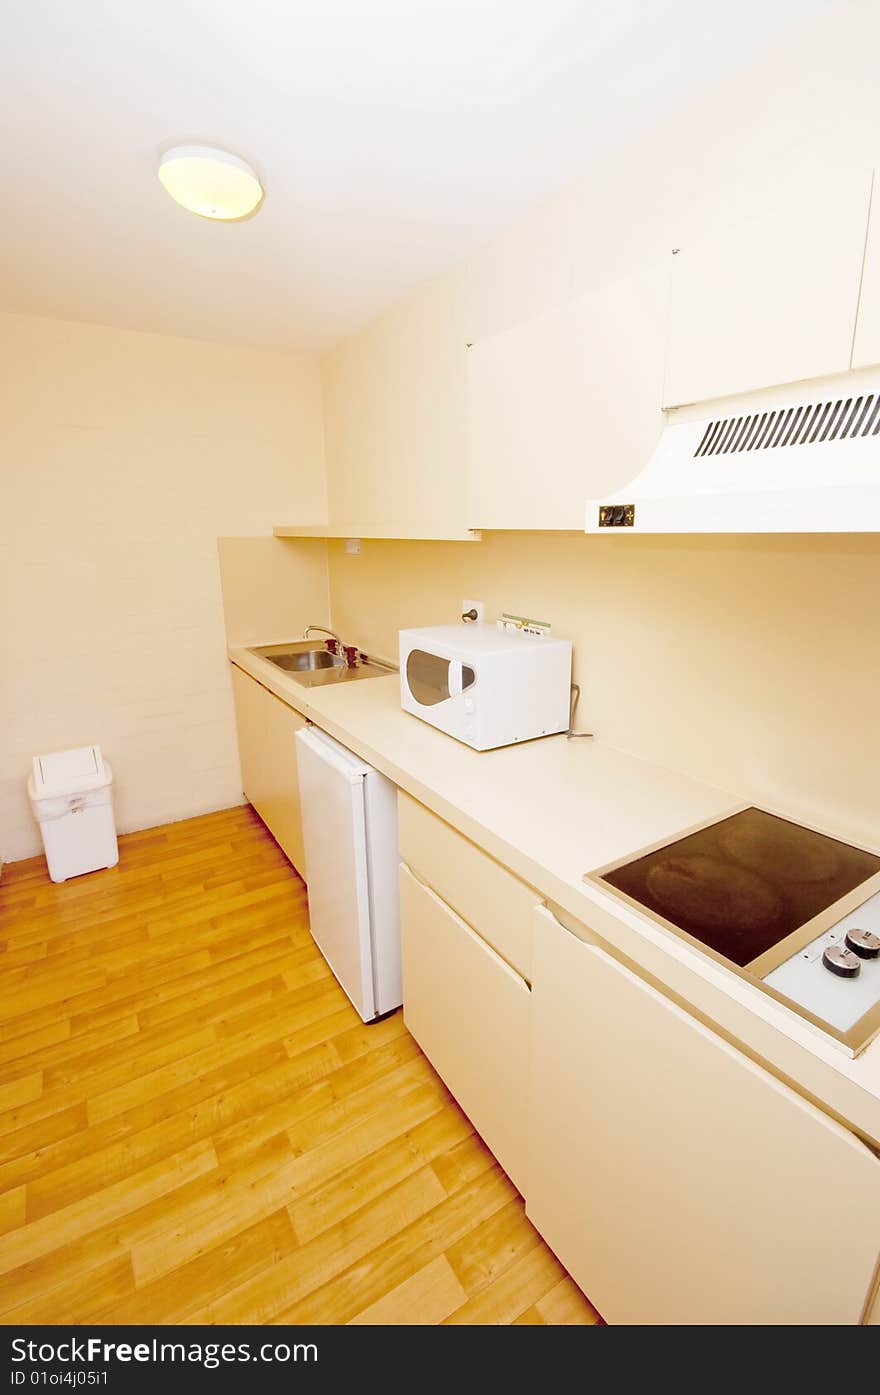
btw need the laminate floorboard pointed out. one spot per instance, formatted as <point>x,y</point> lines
<point>195,1125</point>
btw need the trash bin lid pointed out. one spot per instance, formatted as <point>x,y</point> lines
<point>69,772</point>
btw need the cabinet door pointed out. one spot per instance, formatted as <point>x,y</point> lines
<point>393,428</point>
<point>469,1012</point>
<point>772,302</point>
<point>676,1179</point>
<point>267,729</point>
<point>866,350</point>
<point>566,406</point>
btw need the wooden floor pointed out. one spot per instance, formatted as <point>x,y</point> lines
<point>196,1126</point>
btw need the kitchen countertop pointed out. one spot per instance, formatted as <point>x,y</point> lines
<point>553,809</point>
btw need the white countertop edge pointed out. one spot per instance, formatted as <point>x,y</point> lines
<point>773,1034</point>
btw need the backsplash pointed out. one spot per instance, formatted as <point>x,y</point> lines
<point>750,663</point>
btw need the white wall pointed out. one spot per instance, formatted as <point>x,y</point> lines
<point>751,663</point>
<point>122,457</point>
<point>272,588</point>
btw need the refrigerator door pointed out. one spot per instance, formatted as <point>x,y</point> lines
<point>332,795</point>
<point>383,860</point>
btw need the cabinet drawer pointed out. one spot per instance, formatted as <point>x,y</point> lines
<point>495,902</point>
<point>469,1012</point>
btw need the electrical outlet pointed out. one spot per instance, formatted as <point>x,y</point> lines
<point>478,606</point>
<point>353,547</point>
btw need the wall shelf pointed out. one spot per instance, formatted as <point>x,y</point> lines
<point>325,530</point>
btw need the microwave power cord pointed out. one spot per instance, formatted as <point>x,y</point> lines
<point>571,734</point>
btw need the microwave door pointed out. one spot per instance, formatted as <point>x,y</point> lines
<point>428,677</point>
<point>432,679</point>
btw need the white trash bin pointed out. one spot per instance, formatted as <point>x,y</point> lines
<point>71,796</point>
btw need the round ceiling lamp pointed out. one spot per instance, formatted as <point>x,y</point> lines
<point>210,182</point>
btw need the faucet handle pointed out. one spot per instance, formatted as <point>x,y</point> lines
<point>351,654</point>
<point>332,645</point>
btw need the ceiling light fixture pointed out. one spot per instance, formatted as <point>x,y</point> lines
<point>210,182</point>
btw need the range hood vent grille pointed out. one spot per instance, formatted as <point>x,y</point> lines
<point>812,423</point>
<point>728,468</point>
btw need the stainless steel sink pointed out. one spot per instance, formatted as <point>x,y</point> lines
<point>306,663</point>
<point>309,662</point>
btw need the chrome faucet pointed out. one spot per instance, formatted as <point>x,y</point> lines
<point>324,631</point>
<point>348,652</point>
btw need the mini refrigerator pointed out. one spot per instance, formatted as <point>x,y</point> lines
<point>349,813</point>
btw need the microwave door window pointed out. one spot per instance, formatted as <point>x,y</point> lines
<point>432,679</point>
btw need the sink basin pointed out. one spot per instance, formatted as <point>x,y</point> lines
<point>309,662</point>
<point>305,663</point>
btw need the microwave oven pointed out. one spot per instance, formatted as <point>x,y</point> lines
<point>485,685</point>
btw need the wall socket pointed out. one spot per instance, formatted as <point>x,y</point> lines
<point>478,606</point>
<point>353,547</point>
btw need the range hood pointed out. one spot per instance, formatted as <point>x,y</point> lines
<point>805,460</point>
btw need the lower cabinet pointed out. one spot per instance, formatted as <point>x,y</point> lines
<point>489,898</point>
<point>677,1180</point>
<point>469,1012</point>
<point>267,729</point>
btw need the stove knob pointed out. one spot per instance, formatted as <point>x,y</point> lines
<point>841,961</point>
<point>863,943</point>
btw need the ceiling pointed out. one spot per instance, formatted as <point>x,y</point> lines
<point>393,137</point>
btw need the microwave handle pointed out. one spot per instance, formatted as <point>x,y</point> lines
<point>455,680</point>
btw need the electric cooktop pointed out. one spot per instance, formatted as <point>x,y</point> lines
<point>793,910</point>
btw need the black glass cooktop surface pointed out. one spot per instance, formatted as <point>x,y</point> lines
<point>745,883</point>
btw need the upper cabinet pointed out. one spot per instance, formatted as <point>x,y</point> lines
<point>866,350</point>
<point>428,438</point>
<point>775,300</point>
<point>566,405</point>
<point>393,427</point>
